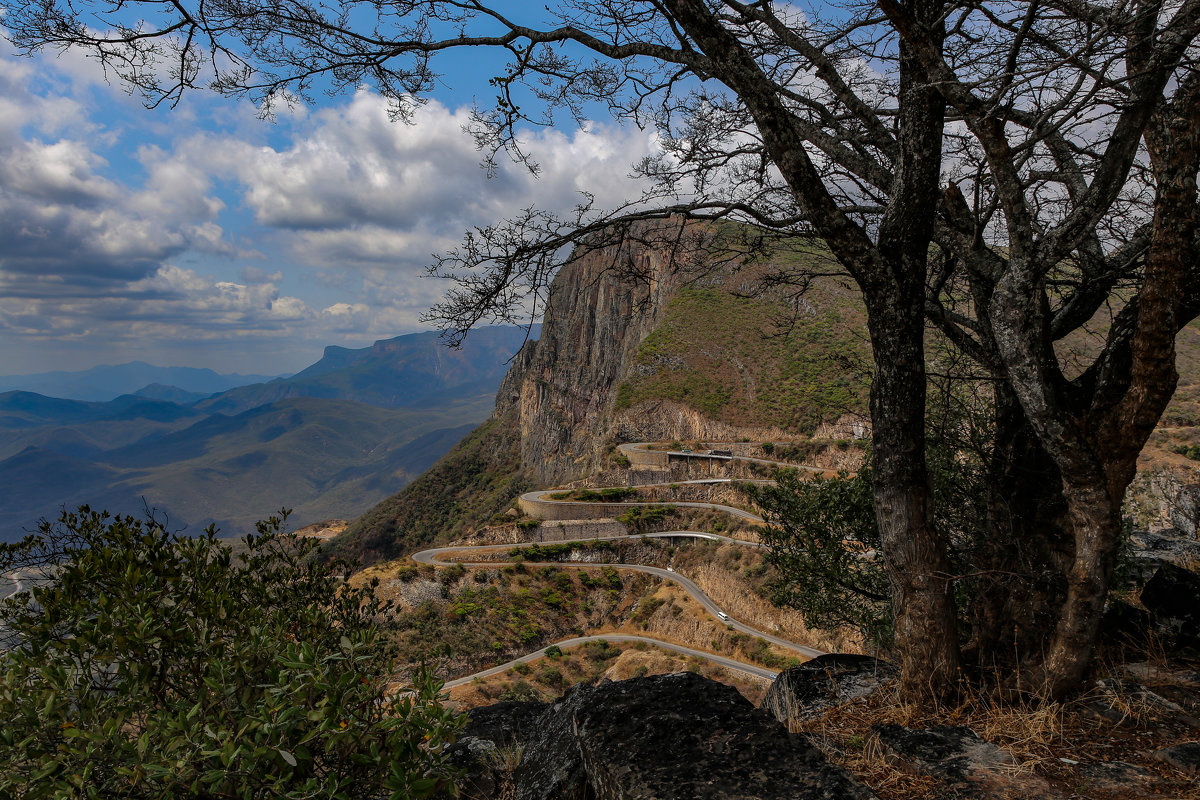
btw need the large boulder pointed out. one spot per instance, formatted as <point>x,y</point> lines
<point>491,745</point>
<point>1172,596</point>
<point>807,690</point>
<point>957,756</point>
<point>672,737</point>
<point>1153,549</point>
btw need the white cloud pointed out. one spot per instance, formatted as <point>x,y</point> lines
<point>105,207</point>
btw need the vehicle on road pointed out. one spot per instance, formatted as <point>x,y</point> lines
<point>723,616</point>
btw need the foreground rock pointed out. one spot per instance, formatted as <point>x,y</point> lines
<point>491,745</point>
<point>1172,596</point>
<point>815,686</point>
<point>1185,757</point>
<point>956,755</point>
<point>667,737</point>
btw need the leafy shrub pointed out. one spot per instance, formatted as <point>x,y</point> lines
<point>551,675</point>
<point>640,519</point>
<point>146,664</point>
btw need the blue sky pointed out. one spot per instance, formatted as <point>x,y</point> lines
<point>203,236</point>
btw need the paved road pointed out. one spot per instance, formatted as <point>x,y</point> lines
<point>642,446</point>
<point>539,496</point>
<point>761,672</point>
<point>433,556</point>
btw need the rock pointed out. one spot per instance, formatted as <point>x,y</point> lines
<point>672,737</point>
<point>1118,778</point>
<point>958,756</point>
<point>1125,626</point>
<point>1153,549</point>
<point>807,690</point>
<point>1184,757</point>
<point>491,745</point>
<point>1173,597</point>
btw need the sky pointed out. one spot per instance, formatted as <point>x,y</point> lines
<point>204,236</point>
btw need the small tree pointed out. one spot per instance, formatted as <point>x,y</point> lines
<point>146,664</point>
<point>824,540</point>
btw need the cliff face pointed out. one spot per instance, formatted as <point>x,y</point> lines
<point>563,386</point>
<point>634,347</point>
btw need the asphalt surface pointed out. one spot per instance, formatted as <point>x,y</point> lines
<point>432,556</point>
<point>761,672</point>
<point>642,446</point>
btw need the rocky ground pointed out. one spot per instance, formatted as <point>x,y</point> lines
<point>835,727</point>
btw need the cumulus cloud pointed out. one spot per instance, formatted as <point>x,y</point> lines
<point>355,188</point>
<point>103,214</point>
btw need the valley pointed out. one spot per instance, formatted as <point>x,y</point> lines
<point>328,442</point>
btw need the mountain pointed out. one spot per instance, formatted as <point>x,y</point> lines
<point>384,414</point>
<point>108,382</point>
<point>670,357</point>
<point>323,458</point>
<point>407,371</point>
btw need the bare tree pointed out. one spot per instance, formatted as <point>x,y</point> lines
<point>869,129</point>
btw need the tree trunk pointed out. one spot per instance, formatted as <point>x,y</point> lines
<point>1024,551</point>
<point>926,628</point>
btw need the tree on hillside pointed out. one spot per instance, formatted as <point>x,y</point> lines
<point>1009,170</point>
<point>138,663</point>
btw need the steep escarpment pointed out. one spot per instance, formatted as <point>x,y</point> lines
<point>634,348</point>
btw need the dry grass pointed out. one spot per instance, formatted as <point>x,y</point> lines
<point>1050,739</point>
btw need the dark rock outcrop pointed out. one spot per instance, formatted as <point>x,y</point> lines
<point>668,737</point>
<point>1153,549</point>
<point>1118,778</point>
<point>491,745</point>
<point>1172,596</point>
<point>807,690</point>
<point>1184,757</point>
<point>958,756</point>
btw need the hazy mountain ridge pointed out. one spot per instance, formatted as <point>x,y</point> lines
<point>107,381</point>
<point>417,369</point>
<point>323,456</point>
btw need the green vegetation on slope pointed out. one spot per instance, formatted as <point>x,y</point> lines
<point>731,358</point>
<point>476,480</point>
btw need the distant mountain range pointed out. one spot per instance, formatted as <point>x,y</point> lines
<point>408,371</point>
<point>328,442</point>
<point>106,382</point>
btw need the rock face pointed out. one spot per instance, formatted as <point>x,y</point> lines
<point>668,737</point>
<point>958,756</point>
<point>602,305</point>
<point>1185,757</point>
<point>1153,549</point>
<point>491,745</point>
<point>1172,596</point>
<point>826,681</point>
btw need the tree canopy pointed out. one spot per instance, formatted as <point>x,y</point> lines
<point>138,663</point>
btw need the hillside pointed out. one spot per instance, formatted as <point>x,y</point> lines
<point>667,357</point>
<point>691,357</point>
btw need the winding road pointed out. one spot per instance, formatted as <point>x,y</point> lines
<point>532,500</point>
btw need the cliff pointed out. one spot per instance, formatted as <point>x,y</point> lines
<point>635,347</point>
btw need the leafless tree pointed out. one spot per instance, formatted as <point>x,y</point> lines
<point>1009,171</point>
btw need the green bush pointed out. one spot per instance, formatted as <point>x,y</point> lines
<point>146,664</point>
